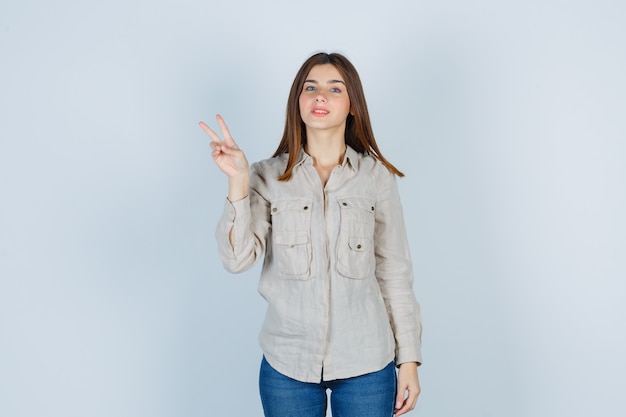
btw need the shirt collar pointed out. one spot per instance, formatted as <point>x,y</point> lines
<point>350,158</point>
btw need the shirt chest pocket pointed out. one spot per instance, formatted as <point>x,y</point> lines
<point>291,237</point>
<point>355,245</point>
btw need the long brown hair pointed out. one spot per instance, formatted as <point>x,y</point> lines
<point>358,135</point>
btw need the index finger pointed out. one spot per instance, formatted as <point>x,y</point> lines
<point>408,404</point>
<point>210,132</point>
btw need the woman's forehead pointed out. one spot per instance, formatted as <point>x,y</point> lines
<point>324,72</point>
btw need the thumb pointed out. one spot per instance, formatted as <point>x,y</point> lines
<point>399,399</point>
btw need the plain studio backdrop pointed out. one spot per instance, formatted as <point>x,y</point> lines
<point>507,117</point>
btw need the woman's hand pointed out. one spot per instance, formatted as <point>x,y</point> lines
<point>230,159</point>
<point>226,154</point>
<point>408,388</point>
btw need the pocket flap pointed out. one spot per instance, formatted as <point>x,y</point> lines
<point>356,202</point>
<point>292,204</point>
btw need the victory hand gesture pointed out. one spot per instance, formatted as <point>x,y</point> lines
<point>226,154</point>
<point>230,159</point>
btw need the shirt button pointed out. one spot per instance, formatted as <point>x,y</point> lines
<point>274,209</point>
<point>306,207</point>
<point>372,208</point>
<point>344,203</point>
<point>358,246</point>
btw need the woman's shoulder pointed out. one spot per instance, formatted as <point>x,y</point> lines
<point>274,160</point>
<point>372,165</point>
<point>275,163</point>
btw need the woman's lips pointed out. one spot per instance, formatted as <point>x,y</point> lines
<point>319,112</point>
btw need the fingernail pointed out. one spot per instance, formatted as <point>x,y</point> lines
<point>398,404</point>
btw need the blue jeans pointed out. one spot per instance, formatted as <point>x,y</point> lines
<point>369,395</point>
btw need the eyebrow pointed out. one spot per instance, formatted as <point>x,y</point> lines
<point>329,82</point>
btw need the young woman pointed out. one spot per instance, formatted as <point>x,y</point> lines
<point>337,275</point>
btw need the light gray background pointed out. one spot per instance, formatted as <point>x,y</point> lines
<point>508,118</point>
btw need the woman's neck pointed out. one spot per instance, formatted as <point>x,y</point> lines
<point>326,150</point>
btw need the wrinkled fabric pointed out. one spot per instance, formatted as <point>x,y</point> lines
<point>337,273</point>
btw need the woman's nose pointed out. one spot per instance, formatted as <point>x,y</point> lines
<point>321,98</point>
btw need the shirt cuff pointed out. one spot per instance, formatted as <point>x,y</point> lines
<point>408,354</point>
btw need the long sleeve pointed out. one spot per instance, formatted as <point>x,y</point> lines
<point>394,271</point>
<point>249,220</point>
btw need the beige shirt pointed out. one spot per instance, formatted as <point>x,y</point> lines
<point>337,272</point>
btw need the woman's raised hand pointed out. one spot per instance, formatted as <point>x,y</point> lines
<point>226,154</point>
<point>230,159</point>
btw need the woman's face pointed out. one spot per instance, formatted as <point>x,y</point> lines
<point>324,101</point>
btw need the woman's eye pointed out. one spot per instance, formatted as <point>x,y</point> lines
<point>309,88</point>
<point>335,90</point>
